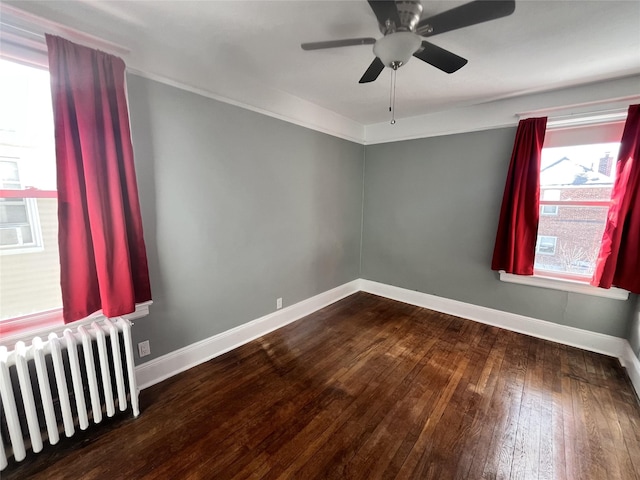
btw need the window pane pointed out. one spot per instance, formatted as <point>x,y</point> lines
<point>30,282</point>
<point>578,232</point>
<point>9,236</point>
<point>26,127</point>
<point>9,174</point>
<point>27,237</point>
<point>14,212</point>
<point>581,172</point>
<point>29,261</point>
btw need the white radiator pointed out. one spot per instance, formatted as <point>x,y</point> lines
<point>85,371</point>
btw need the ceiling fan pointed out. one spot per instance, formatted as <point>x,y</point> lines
<point>401,26</point>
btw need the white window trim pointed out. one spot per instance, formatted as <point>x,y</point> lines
<point>564,285</point>
<point>43,329</point>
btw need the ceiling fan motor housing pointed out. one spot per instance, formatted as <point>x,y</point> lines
<point>409,12</point>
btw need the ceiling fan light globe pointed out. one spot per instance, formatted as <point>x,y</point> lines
<point>396,48</point>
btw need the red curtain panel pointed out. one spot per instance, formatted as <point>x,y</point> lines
<point>619,258</point>
<point>103,260</point>
<point>515,246</point>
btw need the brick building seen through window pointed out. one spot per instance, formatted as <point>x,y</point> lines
<point>575,193</point>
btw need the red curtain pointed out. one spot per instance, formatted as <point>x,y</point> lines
<point>515,246</point>
<point>103,262</point>
<point>619,257</point>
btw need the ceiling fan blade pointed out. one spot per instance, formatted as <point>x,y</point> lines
<point>465,15</point>
<point>385,10</point>
<point>440,58</point>
<point>373,71</point>
<point>338,43</point>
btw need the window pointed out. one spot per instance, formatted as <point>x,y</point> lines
<point>546,245</point>
<point>30,280</point>
<point>19,221</point>
<point>577,174</point>
<point>28,200</point>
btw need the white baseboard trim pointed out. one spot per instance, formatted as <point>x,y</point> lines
<point>632,364</point>
<point>168,365</point>
<point>574,337</point>
<point>161,368</point>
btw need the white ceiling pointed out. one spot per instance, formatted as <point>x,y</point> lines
<point>249,51</point>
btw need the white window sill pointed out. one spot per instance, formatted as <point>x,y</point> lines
<point>565,285</point>
<point>26,329</point>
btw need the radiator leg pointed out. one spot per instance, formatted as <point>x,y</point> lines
<point>45,391</point>
<point>61,382</point>
<point>117,364</point>
<point>104,368</point>
<point>96,408</point>
<point>76,379</point>
<point>9,402</point>
<point>27,397</point>
<point>131,372</point>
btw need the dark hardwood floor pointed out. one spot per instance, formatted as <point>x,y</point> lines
<point>371,388</point>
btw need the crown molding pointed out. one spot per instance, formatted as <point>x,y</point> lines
<point>607,95</point>
<point>274,103</point>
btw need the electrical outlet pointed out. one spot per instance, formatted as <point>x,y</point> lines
<point>279,303</point>
<point>144,348</point>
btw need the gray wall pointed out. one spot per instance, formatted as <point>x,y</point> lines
<point>238,209</point>
<point>430,219</point>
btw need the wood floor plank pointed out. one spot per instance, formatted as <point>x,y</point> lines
<point>370,388</point>
<point>547,457</point>
<point>554,433</point>
<point>474,456</point>
<point>502,446</point>
<point>449,445</point>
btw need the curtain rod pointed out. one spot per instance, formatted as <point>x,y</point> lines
<point>29,24</point>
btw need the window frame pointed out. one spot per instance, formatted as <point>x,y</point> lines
<point>568,282</point>
<point>15,191</point>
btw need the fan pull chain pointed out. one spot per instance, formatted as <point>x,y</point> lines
<point>392,97</point>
